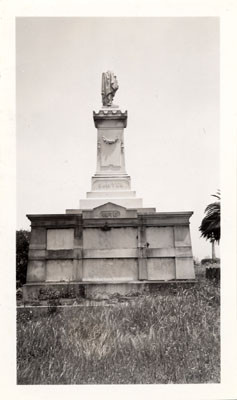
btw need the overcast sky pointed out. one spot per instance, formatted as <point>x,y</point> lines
<point>168,74</point>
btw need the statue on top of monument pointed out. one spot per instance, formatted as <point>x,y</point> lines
<point>109,87</point>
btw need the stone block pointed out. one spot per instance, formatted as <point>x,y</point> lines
<point>182,236</point>
<point>38,238</point>
<point>185,268</point>
<point>60,271</point>
<point>110,155</point>
<point>110,253</point>
<point>111,194</point>
<point>78,270</point>
<point>161,269</point>
<point>77,253</point>
<point>60,254</point>
<point>103,291</point>
<point>183,251</point>
<point>142,269</point>
<point>51,290</point>
<point>74,211</point>
<point>36,271</point>
<point>36,254</point>
<point>115,238</point>
<point>168,219</point>
<point>110,270</point>
<point>160,237</point>
<point>59,239</point>
<point>86,204</point>
<point>165,252</point>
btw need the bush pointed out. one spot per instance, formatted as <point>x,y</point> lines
<point>210,261</point>
<point>22,247</point>
<point>213,273</point>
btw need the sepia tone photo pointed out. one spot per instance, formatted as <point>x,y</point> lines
<point>118,200</point>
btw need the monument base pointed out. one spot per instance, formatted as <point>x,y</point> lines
<point>109,245</point>
<point>88,290</point>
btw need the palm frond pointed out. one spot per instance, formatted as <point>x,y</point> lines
<point>210,225</point>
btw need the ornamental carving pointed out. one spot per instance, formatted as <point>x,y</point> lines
<point>109,141</point>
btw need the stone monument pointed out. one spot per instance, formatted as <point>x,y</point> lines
<point>111,244</point>
<point>110,182</point>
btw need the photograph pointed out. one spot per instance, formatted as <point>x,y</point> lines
<point>118,199</point>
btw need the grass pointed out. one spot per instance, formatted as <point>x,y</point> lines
<point>167,337</point>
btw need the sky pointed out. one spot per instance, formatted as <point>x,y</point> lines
<point>168,75</point>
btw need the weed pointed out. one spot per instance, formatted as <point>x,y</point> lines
<point>171,336</point>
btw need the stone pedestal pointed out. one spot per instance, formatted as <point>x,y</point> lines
<point>110,180</point>
<point>110,247</point>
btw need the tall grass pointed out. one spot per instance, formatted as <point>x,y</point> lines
<point>168,337</point>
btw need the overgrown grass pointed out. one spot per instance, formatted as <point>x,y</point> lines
<point>168,337</point>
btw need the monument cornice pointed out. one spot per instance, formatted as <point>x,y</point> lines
<point>110,114</point>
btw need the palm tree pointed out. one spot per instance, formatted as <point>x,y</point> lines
<point>210,226</point>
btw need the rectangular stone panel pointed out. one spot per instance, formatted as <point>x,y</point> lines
<point>182,236</point>
<point>110,270</point>
<point>59,239</point>
<point>78,269</point>
<point>100,184</point>
<point>35,254</point>
<point>110,253</point>
<point>38,238</point>
<point>165,252</point>
<point>36,271</point>
<point>110,149</point>
<point>115,238</point>
<point>183,251</point>
<point>161,269</point>
<point>60,254</point>
<point>185,268</point>
<point>142,269</point>
<point>60,271</point>
<point>160,237</point>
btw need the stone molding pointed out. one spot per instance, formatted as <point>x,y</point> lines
<point>110,114</point>
<point>71,220</point>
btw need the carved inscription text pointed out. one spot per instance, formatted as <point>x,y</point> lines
<point>110,214</point>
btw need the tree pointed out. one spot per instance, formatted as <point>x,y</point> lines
<point>22,247</point>
<point>210,225</point>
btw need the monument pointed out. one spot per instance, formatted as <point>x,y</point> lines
<point>111,244</point>
<point>110,182</point>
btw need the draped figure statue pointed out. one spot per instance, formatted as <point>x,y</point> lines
<point>109,87</point>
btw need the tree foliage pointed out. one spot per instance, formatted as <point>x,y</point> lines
<point>210,225</point>
<point>22,247</point>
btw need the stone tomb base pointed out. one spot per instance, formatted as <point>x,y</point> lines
<point>108,249</point>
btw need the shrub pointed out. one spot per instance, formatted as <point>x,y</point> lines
<point>210,261</point>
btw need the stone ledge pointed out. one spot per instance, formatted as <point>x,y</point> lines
<point>133,282</point>
<point>90,290</point>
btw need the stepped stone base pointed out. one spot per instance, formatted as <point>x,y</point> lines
<point>111,195</point>
<point>89,203</point>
